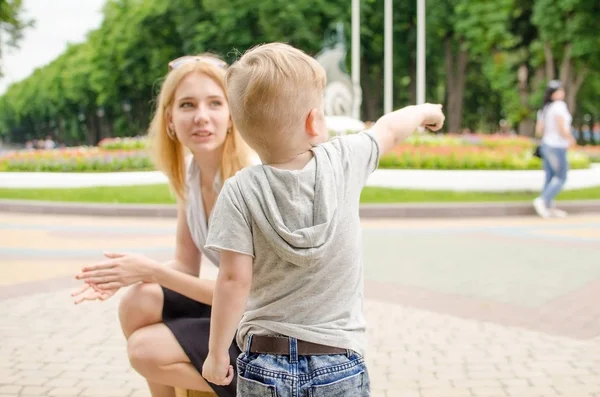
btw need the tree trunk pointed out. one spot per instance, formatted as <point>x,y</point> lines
<point>91,129</point>
<point>571,81</point>
<point>565,66</point>
<point>412,85</point>
<point>549,61</point>
<point>456,67</point>
<point>538,79</point>
<point>372,93</point>
<point>574,86</point>
<point>526,126</point>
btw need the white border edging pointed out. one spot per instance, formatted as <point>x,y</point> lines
<point>478,180</point>
<point>457,180</point>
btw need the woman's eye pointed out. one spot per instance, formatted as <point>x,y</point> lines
<point>216,103</point>
<point>186,105</point>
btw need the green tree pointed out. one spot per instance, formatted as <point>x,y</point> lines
<point>12,25</point>
<point>571,43</point>
<point>485,60</point>
<point>464,33</point>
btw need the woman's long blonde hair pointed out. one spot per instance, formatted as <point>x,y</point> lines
<point>169,154</point>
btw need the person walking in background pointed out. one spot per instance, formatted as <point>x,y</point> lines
<point>554,125</point>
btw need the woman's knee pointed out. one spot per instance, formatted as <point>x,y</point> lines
<point>140,306</point>
<point>141,351</point>
<point>153,348</point>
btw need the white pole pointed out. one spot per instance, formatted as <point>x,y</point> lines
<point>387,53</point>
<point>356,58</point>
<point>420,51</point>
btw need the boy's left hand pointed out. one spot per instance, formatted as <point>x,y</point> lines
<point>217,370</point>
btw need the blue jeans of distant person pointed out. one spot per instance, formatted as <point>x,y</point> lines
<point>556,167</point>
<point>269,375</point>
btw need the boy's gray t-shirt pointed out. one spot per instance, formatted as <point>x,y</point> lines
<point>303,229</point>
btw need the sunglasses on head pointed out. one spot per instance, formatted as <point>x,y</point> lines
<point>554,85</point>
<point>174,64</point>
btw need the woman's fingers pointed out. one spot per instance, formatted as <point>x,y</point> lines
<point>109,286</point>
<point>113,255</point>
<point>105,295</point>
<point>100,266</point>
<point>90,295</point>
<point>101,279</point>
<point>80,290</point>
<point>99,273</point>
<point>96,274</point>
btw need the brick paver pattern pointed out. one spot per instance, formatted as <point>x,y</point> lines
<point>449,306</point>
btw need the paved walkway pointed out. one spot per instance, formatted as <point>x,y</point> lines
<point>481,180</point>
<point>479,308</point>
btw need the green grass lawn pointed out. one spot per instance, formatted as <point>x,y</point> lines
<point>160,194</point>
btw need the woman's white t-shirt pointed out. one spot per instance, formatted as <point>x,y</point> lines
<point>552,136</point>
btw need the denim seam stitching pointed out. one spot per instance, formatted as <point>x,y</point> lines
<point>266,372</point>
<point>330,370</point>
<point>301,377</point>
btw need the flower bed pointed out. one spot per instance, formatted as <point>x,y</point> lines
<point>464,158</point>
<point>471,152</point>
<point>593,152</point>
<point>428,151</point>
<point>471,140</point>
<point>136,143</point>
<point>80,159</point>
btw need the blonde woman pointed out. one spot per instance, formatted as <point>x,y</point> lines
<point>165,315</point>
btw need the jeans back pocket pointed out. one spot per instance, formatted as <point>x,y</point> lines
<point>356,385</point>
<point>252,388</point>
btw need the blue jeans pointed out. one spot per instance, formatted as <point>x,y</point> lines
<point>556,167</point>
<point>269,375</point>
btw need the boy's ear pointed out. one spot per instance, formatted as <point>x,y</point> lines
<point>312,122</point>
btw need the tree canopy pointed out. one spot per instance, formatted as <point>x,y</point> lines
<point>486,61</point>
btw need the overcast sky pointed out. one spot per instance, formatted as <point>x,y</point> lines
<point>57,22</point>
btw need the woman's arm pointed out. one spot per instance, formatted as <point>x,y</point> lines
<point>539,128</point>
<point>562,127</point>
<point>565,132</point>
<point>179,275</point>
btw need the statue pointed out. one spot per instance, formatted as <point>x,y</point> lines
<point>340,98</point>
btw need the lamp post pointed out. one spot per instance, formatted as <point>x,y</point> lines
<point>420,51</point>
<point>356,58</point>
<point>387,57</point>
<point>388,51</point>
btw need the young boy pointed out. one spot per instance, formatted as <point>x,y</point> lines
<point>289,233</point>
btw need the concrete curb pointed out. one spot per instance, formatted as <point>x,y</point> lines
<point>414,210</point>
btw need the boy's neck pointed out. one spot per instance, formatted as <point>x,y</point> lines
<point>292,162</point>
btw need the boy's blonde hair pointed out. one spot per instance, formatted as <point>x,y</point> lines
<point>272,89</point>
<point>168,153</point>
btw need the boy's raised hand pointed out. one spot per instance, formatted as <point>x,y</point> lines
<point>393,128</point>
<point>433,117</point>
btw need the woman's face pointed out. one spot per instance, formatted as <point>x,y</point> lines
<point>558,95</point>
<point>200,114</point>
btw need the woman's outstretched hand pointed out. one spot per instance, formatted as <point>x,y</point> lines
<point>89,292</point>
<point>120,270</point>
